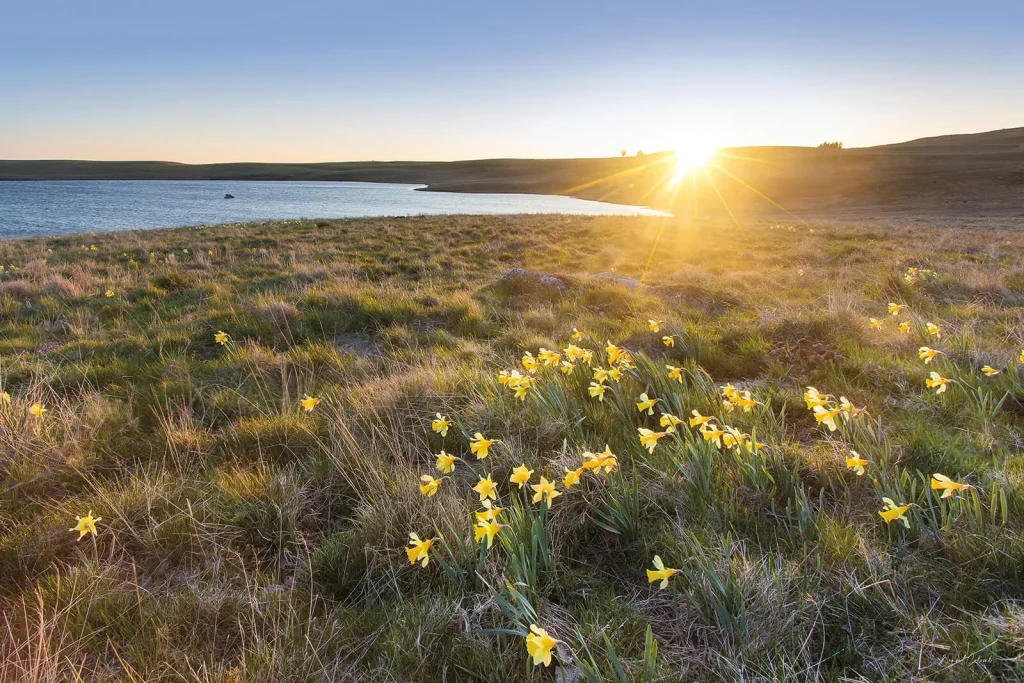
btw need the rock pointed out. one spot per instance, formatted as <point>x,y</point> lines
<point>621,280</point>
<point>522,278</point>
<point>229,196</point>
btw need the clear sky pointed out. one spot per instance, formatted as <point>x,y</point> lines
<point>294,80</point>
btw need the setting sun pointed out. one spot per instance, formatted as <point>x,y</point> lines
<point>691,157</point>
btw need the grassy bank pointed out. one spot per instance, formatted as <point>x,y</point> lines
<point>243,537</point>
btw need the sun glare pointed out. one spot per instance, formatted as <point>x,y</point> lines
<point>691,157</point>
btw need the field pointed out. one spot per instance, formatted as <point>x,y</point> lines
<point>241,536</point>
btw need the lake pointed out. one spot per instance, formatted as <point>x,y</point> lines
<point>35,208</point>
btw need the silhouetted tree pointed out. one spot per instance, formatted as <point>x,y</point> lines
<point>830,145</point>
<point>639,152</point>
<point>622,152</point>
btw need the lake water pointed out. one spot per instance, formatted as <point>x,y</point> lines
<point>60,207</point>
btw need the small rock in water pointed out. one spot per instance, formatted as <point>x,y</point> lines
<point>229,196</point>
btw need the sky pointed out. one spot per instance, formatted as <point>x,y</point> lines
<point>294,80</point>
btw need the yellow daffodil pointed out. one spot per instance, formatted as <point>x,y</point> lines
<point>699,419</point>
<point>904,327</point>
<point>613,352</point>
<point>892,512</point>
<point>572,477</point>
<point>730,392</point>
<point>86,525</point>
<point>856,463</point>
<point>934,330</point>
<point>5,398</point>
<point>712,433</point>
<point>595,461</point>
<point>418,550</point>
<point>221,337</point>
<point>587,356</point>
<point>615,374</point>
<point>813,399</point>
<point>894,309</point>
<point>827,416</point>
<point>849,410</point>
<point>669,422</point>
<point>37,410</point>
<point>669,340</point>
<point>488,513</point>
<point>937,382</point>
<point>566,367</point>
<point>429,485</point>
<point>654,325</point>
<point>529,362</point>
<point>441,424</point>
<point>308,403</point>
<point>745,401</point>
<point>539,645</point>
<point>600,375</point>
<point>479,445</point>
<point>646,404</point>
<point>486,488</point>
<point>487,528</point>
<point>660,573</point>
<point>989,371</point>
<point>521,476</point>
<point>523,386</point>
<point>109,293</point>
<point>545,490</point>
<point>549,358</point>
<point>926,354</point>
<point>875,323</point>
<point>445,463</point>
<point>573,352</point>
<point>649,438</point>
<point>596,390</point>
<point>576,335</point>
<point>1020,358</point>
<point>675,373</point>
<point>947,485</point>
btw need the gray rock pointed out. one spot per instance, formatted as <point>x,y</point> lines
<point>621,280</point>
<point>522,276</point>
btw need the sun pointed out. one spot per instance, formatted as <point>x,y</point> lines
<point>691,157</point>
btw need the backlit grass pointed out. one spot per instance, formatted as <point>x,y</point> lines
<point>253,494</point>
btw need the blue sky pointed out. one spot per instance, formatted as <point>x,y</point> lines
<point>315,81</point>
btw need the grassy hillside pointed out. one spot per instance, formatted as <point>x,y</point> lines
<point>979,174</point>
<point>242,537</point>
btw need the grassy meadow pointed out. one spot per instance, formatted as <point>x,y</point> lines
<point>241,536</point>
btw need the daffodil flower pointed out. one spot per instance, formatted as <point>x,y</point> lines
<point>445,463</point>
<point>576,335</point>
<point>221,337</point>
<point>856,463</point>
<point>813,399</point>
<point>418,550</point>
<point>937,382</point>
<point>646,404</point>
<point>613,352</point>
<point>745,401</point>
<point>308,403</point>
<point>675,373</point>
<point>904,327</point>
<point>649,438</point>
<point>529,362</point>
<point>654,325</point>
<point>86,525</point>
<point>549,358</point>
<point>712,433</point>
<point>947,485</point>
<point>488,513</point>
<point>566,367</point>
<point>545,490</point>
<point>989,371</point>
<point>595,461</point>
<point>479,445</point>
<point>615,374</point>
<point>596,390</point>
<point>429,485</point>
<point>669,422</point>
<point>894,309</point>
<point>827,416</point>
<point>934,330</point>
<point>441,424</point>
<point>37,410</point>
<point>669,340</point>
<point>486,488</point>
<point>539,645</point>
<point>572,477</point>
<point>5,398</point>
<point>926,354</point>
<point>849,410</point>
<point>109,293</point>
<point>487,528</point>
<point>892,512</point>
<point>660,573</point>
<point>699,419</point>
<point>521,476</point>
<point>600,375</point>
<point>875,323</point>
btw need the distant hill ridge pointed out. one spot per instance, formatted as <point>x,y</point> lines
<point>979,173</point>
